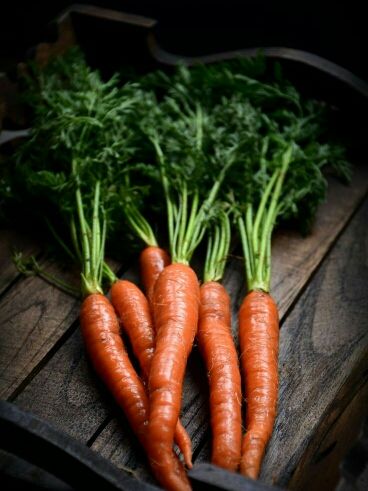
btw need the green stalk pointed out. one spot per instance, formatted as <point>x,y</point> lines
<point>256,233</point>
<point>96,232</point>
<point>250,231</point>
<point>30,267</point>
<point>59,283</point>
<point>102,251</point>
<point>184,214</point>
<point>261,209</point>
<point>91,244</point>
<point>139,225</point>
<point>191,222</point>
<point>217,249</point>
<point>246,251</point>
<point>198,225</point>
<point>207,272</point>
<point>85,239</point>
<point>108,273</point>
<point>271,217</point>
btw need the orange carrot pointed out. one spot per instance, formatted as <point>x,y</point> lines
<point>175,302</point>
<point>100,329</point>
<point>133,311</point>
<point>258,336</point>
<point>152,261</point>
<point>217,347</point>
<point>135,316</point>
<point>101,333</point>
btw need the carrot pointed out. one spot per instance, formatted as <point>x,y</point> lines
<point>183,141</point>
<point>135,316</point>
<point>133,311</point>
<point>259,337</point>
<point>217,347</point>
<point>152,261</point>
<point>258,318</point>
<point>175,301</point>
<point>101,334</point>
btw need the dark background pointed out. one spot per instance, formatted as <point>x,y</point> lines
<point>336,31</point>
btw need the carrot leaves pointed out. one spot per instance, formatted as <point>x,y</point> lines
<point>103,154</point>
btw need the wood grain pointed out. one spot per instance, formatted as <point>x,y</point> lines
<point>33,317</point>
<point>319,466</point>
<point>88,415</point>
<point>329,319</point>
<point>323,356</point>
<point>67,393</point>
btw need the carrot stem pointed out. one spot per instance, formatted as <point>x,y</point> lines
<point>217,249</point>
<point>256,231</point>
<point>139,225</point>
<point>96,232</point>
<point>261,210</point>
<point>191,222</point>
<point>247,254</point>
<point>30,267</point>
<point>271,216</point>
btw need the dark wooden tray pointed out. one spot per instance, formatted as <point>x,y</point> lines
<point>319,283</point>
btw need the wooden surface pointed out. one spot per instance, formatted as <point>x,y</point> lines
<point>319,283</point>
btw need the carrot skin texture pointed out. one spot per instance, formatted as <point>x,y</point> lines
<point>152,262</point>
<point>217,346</point>
<point>175,303</point>
<point>134,312</point>
<point>101,333</point>
<point>259,340</point>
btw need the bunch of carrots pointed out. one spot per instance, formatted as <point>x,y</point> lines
<point>219,153</point>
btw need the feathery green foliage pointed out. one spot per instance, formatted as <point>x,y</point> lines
<point>80,142</point>
<point>100,150</point>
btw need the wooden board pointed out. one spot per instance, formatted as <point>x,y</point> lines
<point>33,317</point>
<point>323,352</point>
<point>291,252</point>
<point>67,393</point>
<point>323,356</point>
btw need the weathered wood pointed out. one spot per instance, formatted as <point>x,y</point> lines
<point>327,363</point>
<point>323,357</point>
<point>294,258</point>
<point>319,467</point>
<point>81,416</point>
<point>33,317</point>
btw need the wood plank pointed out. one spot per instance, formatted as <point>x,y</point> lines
<point>331,326</point>
<point>319,466</point>
<point>323,357</point>
<point>33,315</point>
<point>304,254</point>
<point>294,258</point>
<point>82,419</point>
